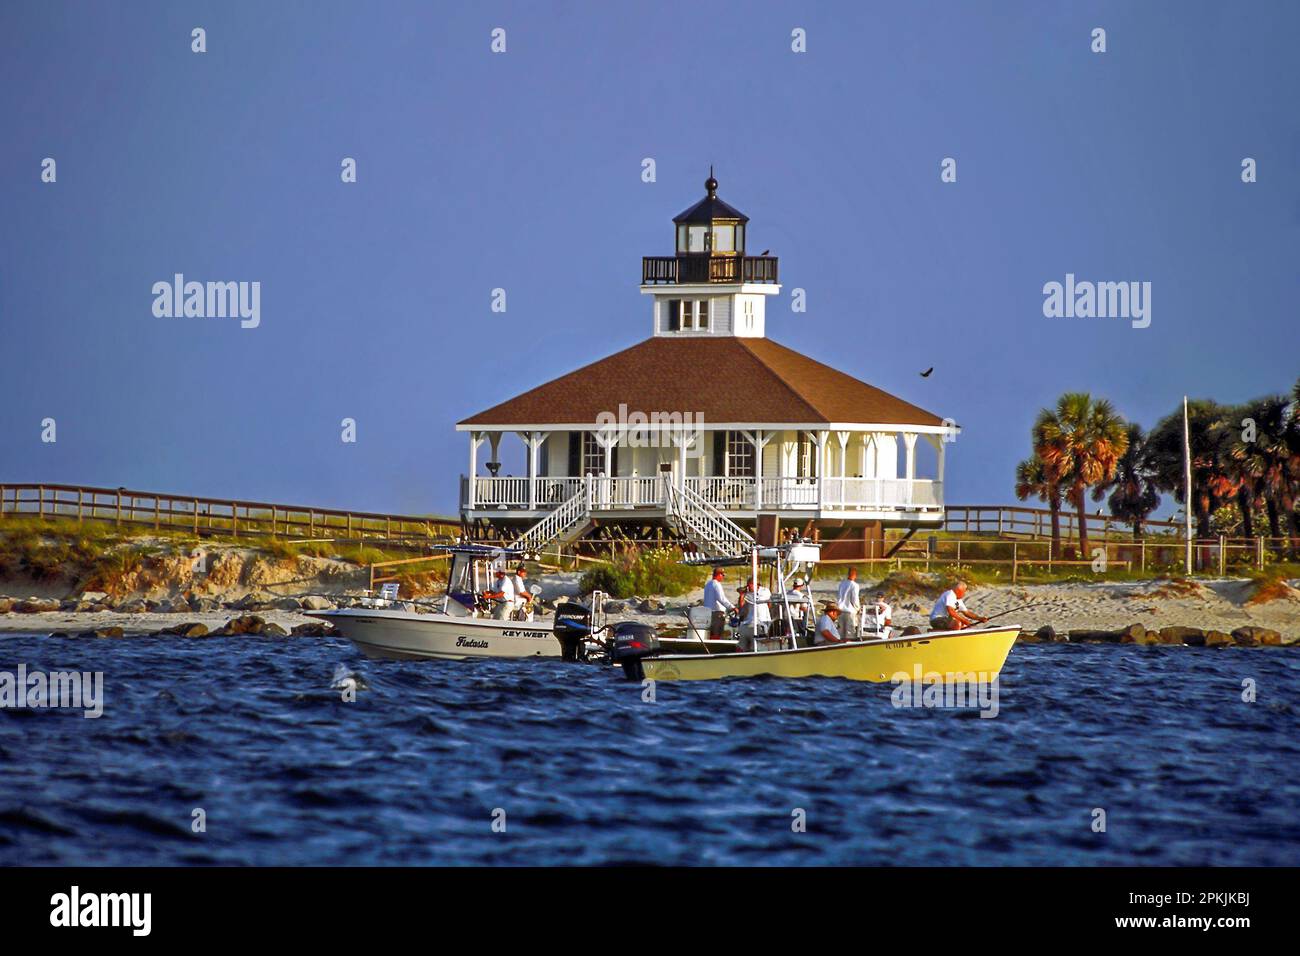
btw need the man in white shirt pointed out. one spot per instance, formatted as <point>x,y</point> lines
<point>849,604</point>
<point>523,601</point>
<point>502,595</point>
<point>715,599</point>
<point>950,612</point>
<point>758,610</point>
<point>828,631</point>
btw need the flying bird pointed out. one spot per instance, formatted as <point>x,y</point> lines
<point>926,373</point>
<point>765,252</point>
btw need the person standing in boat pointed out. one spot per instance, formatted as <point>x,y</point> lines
<point>523,602</point>
<point>715,599</point>
<point>850,604</point>
<point>756,604</point>
<point>950,612</point>
<point>502,596</point>
<point>800,604</point>
<point>828,629</point>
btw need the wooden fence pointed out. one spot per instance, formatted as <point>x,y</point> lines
<point>1013,520</point>
<point>222,516</point>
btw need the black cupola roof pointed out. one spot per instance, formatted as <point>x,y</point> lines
<point>710,208</point>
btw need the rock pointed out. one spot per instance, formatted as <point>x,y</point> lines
<point>111,631</point>
<point>94,597</point>
<point>203,604</point>
<point>615,607</point>
<point>314,602</point>
<point>134,606</point>
<point>35,606</point>
<point>244,624</point>
<point>257,601</point>
<point>287,604</point>
<point>1095,637</point>
<point>189,629</point>
<point>6,605</point>
<point>1046,633</point>
<point>1251,636</point>
<point>274,630</point>
<point>1191,636</point>
<point>312,629</point>
<point>651,605</point>
<point>1217,639</point>
<point>1027,637</point>
<point>68,605</point>
<point>1138,634</point>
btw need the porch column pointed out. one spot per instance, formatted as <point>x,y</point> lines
<point>909,439</point>
<point>475,439</point>
<point>760,440</point>
<point>843,439</point>
<point>534,441</point>
<point>607,438</point>
<point>821,467</point>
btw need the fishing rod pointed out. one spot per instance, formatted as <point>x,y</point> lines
<point>1015,609</point>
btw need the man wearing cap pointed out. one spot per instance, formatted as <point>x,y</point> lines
<point>715,599</point>
<point>502,595</point>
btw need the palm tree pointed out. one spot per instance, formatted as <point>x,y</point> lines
<point>1133,494</point>
<point>1213,476</point>
<point>1031,482</point>
<point>1082,441</point>
<point>1260,463</point>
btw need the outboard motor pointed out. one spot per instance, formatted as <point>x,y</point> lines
<point>572,628</point>
<point>632,642</point>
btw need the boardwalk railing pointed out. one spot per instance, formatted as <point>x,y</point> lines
<point>1011,520</point>
<point>220,516</point>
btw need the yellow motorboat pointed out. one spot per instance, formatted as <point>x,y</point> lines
<point>774,643</point>
<point>969,654</point>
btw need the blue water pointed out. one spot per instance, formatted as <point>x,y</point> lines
<point>250,730</point>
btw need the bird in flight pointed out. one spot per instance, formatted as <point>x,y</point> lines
<point>926,373</point>
<point>765,252</point>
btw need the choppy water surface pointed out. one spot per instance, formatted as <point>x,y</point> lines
<point>586,772</point>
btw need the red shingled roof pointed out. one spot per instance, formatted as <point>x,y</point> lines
<point>724,379</point>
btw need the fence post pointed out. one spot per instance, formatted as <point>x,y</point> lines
<point>40,501</point>
<point>1223,555</point>
<point>196,517</point>
<point>156,515</point>
<point>959,552</point>
<point>80,496</point>
<point>311,524</point>
<point>1259,552</point>
<point>234,519</point>
<point>1142,551</point>
<point>1014,566</point>
<point>117,519</point>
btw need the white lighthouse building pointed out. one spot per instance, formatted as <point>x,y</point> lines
<point>707,425</point>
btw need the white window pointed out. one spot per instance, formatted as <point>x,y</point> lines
<point>740,456</point>
<point>593,456</point>
<point>693,315</point>
<point>747,314</point>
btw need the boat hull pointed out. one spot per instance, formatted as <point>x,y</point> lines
<point>971,652</point>
<point>405,635</point>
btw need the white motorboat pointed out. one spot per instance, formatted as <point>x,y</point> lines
<point>461,626</point>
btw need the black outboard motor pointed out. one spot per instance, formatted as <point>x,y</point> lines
<point>632,642</point>
<point>572,628</point>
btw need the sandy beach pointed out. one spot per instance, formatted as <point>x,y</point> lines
<point>1220,605</point>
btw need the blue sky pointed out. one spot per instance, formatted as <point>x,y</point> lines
<point>522,171</point>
